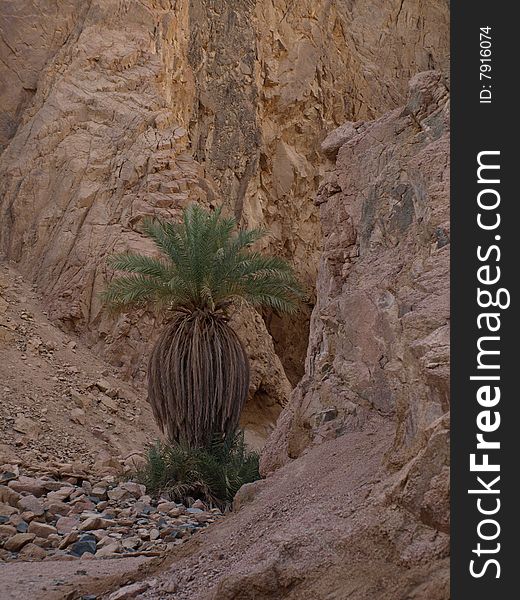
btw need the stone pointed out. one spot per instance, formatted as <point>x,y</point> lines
<point>134,463</point>
<point>66,524</point>
<point>27,426</point>
<point>99,492</point>
<point>95,523</point>
<point>69,539</point>
<point>136,489</point>
<point>170,508</point>
<point>129,591</point>
<point>9,496</point>
<point>7,531</point>
<point>110,403</point>
<point>18,541</point>
<point>81,504</point>
<point>119,494</point>
<point>32,552</point>
<point>31,504</point>
<point>105,461</point>
<point>44,542</point>
<point>143,508</point>
<point>22,527</point>
<point>103,385</point>
<point>42,530</point>
<point>61,494</point>
<point>29,485</point>
<point>247,493</point>
<point>83,546</point>
<point>199,504</point>
<point>131,543</point>
<point>108,550</point>
<point>333,142</point>
<point>7,476</point>
<point>77,415</point>
<point>7,510</point>
<point>28,516</point>
<point>57,509</point>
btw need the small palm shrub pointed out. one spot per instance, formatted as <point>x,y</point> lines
<point>212,474</point>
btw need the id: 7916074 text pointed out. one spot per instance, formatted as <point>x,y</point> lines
<point>485,47</point>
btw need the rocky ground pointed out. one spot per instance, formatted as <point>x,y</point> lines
<point>59,403</point>
<point>72,515</point>
<point>70,432</point>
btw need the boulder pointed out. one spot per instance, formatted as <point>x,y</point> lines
<point>18,541</point>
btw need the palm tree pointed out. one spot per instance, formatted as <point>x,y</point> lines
<point>198,372</point>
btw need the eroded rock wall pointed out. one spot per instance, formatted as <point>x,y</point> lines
<point>359,504</point>
<point>380,329</point>
<point>138,107</point>
<point>272,78</point>
<point>379,340</point>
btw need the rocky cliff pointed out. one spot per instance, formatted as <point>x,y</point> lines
<point>360,507</point>
<point>116,109</point>
<point>380,329</point>
<point>112,110</point>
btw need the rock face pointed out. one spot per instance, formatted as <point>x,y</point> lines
<point>119,109</point>
<point>360,506</point>
<point>136,107</point>
<point>27,45</point>
<point>380,329</point>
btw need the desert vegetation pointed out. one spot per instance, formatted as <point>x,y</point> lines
<point>198,372</point>
<point>212,474</point>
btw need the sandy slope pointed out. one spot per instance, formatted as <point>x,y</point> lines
<point>51,408</point>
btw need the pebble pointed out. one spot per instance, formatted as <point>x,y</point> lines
<point>31,504</point>
<point>18,541</point>
<point>83,545</point>
<point>41,529</point>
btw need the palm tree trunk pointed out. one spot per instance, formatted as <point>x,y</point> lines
<point>198,378</point>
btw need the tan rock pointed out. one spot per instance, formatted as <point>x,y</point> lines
<point>60,495</point>
<point>18,541</point>
<point>29,485</point>
<point>57,508</point>
<point>108,550</point>
<point>31,504</point>
<point>77,415</point>
<point>42,530</point>
<point>119,493</point>
<point>9,496</point>
<point>95,523</point>
<point>136,489</point>
<point>32,552</point>
<point>247,493</point>
<point>66,524</point>
<point>7,510</point>
<point>44,542</point>
<point>27,426</point>
<point>7,531</point>
<point>110,403</point>
<point>69,539</point>
<point>129,591</point>
<point>103,385</point>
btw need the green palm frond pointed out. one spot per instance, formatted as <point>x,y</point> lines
<point>205,263</point>
<point>213,474</point>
